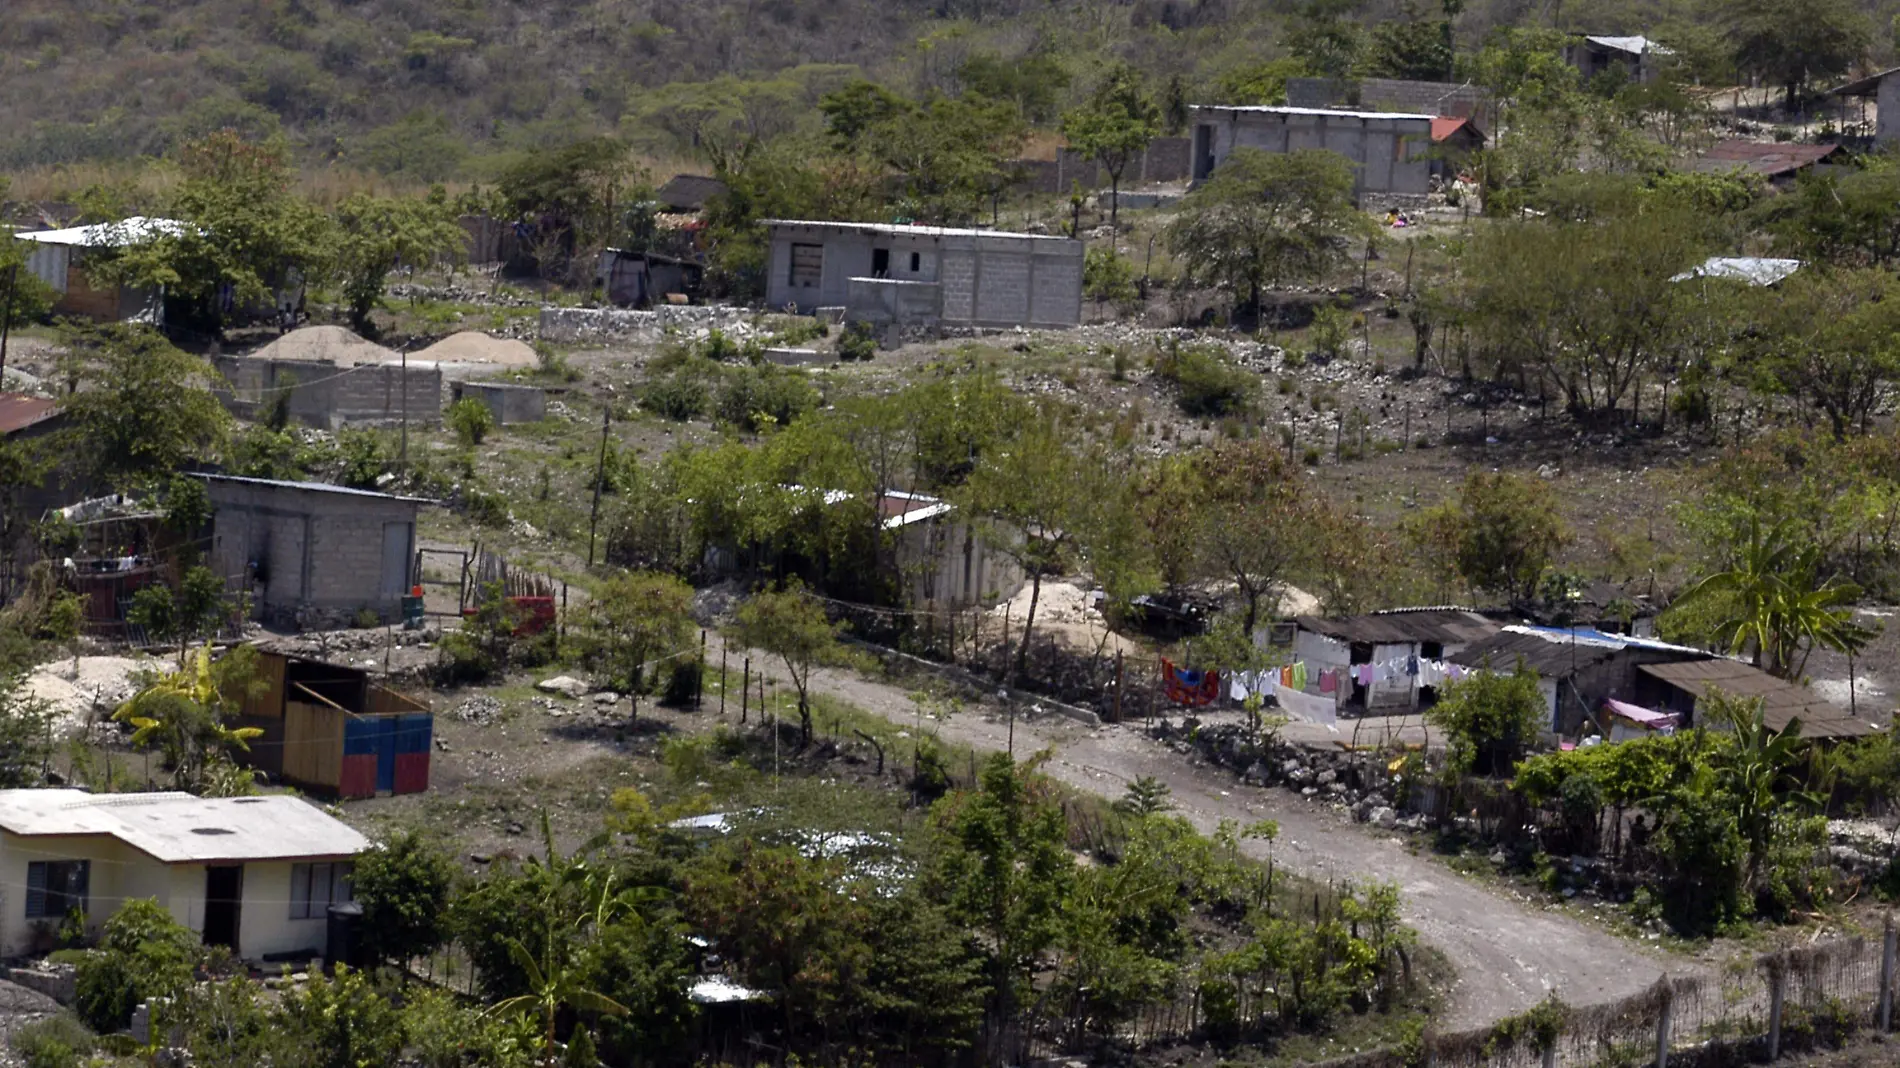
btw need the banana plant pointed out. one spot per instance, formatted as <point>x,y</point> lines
<point>182,715</point>
<point>553,983</point>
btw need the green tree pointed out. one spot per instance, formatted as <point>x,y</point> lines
<point>1490,719</point>
<point>26,725</point>
<point>1503,531</point>
<point>403,885</point>
<point>1414,45</point>
<point>1265,220</point>
<point>1034,83</point>
<point>375,235</point>
<point>791,624</point>
<point>243,226</point>
<point>183,714</point>
<point>852,111</point>
<point>471,420</point>
<point>1796,43</point>
<point>1326,35</point>
<point>1114,127</point>
<point>1039,501</point>
<point>951,153</point>
<point>1827,339</point>
<point>574,196</point>
<point>554,986</point>
<point>637,620</point>
<point>147,409</point>
<point>1003,867</point>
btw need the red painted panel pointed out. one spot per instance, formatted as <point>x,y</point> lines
<point>359,776</point>
<point>412,772</point>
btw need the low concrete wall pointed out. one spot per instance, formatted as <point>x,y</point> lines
<point>329,397</point>
<point>510,403</point>
<point>618,324</point>
<point>886,300</point>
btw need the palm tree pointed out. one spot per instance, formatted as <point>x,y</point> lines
<point>1774,603</point>
<point>553,984</point>
<point>182,713</point>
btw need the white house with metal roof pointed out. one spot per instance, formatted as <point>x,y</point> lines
<point>887,274</point>
<point>57,258</point>
<point>256,874</point>
<point>1390,151</point>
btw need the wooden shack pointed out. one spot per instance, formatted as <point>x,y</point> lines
<point>328,728</point>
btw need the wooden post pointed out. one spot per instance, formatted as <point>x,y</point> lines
<point>745,692</point>
<point>1408,428</point>
<point>699,680</point>
<point>600,482</point>
<point>1662,1024</point>
<point>1887,943</point>
<point>1777,990</point>
<point>1119,680</point>
<point>722,680</point>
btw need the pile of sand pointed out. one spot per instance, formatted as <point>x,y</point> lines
<point>96,688</point>
<point>1064,611</point>
<point>333,344</point>
<point>473,346</point>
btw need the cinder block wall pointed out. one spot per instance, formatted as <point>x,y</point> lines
<point>510,403</point>
<point>318,551</point>
<point>329,397</point>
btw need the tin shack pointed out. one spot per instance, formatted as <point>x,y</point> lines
<point>330,729</point>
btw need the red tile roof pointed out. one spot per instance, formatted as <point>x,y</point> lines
<point>19,411</point>
<point>1770,159</point>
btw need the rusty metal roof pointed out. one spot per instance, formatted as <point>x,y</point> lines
<point>20,410</point>
<point>1770,159</point>
<point>1404,626</point>
<point>1782,701</point>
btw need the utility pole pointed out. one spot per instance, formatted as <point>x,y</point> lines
<point>6,319</point>
<point>402,461</point>
<point>600,479</point>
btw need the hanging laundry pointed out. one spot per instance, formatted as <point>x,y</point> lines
<point>1299,677</point>
<point>1328,682</point>
<point>1307,707</point>
<point>1237,685</point>
<point>1411,666</point>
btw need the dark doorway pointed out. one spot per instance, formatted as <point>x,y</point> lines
<point>224,892</point>
<point>880,263</point>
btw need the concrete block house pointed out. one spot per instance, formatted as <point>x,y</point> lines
<point>254,874</point>
<point>1391,152</point>
<point>924,275</point>
<point>310,553</point>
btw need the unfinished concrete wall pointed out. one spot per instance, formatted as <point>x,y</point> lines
<point>1392,94</point>
<point>886,300</point>
<point>510,403</point>
<point>1390,153</point>
<point>991,280</point>
<point>311,557</point>
<point>329,397</point>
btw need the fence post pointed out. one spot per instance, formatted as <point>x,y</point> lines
<point>1119,680</point>
<point>1886,976</point>
<point>745,692</point>
<point>1662,1023</point>
<point>1777,989</point>
<point>699,677</point>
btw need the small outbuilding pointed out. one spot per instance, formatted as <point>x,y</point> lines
<point>310,553</point>
<point>511,403</point>
<point>1684,689</point>
<point>1635,56</point>
<point>333,729</point>
<point>1578,668</point>
<point>254,874</point>
<point>1883,88</point>
<point>58,258</point>
<point>1390,151</point>
<point>1387,646</point>
<point>1778,163</point>
<point>925,276</point>
<point>1454,141</point>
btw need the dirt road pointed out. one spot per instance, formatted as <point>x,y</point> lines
<point>1509,954</point>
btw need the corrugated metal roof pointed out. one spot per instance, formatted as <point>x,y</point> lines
<point>313,487</point>
<point>1754,270</point>
<point>177,828</point>
<point>1770,159</point>
<point>906,230</point>
<point>1446,626</point>
<point>1867,86</point>
<point>1782,701</point>
<point>133,231</point>
<point>1325,113</point>
<point>1546,654</point>
<point>1634,45</point>
<point>20,410</point>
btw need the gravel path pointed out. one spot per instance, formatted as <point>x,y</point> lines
<point>1509,954</point>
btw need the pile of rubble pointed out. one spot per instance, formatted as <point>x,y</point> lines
<point>618,324</point>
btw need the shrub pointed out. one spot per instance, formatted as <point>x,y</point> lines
<point>682,685</point>
<point>488,509</point>
<point>1206,382</point>
<point>403,886</point>
<point>143,954</point>
<point>1108,277</point>
<point>754,397</point>
<point>1491,719</point>
<point>680,396</point>
<point>55,1042</point>
<point>858,342</point>
<point>471,420</point>
<point>1332,325</point>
